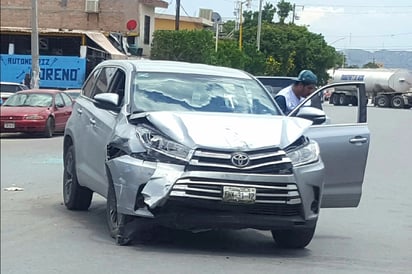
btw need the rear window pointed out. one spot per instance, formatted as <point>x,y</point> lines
<point>11,88</point>
<point>274,85</point>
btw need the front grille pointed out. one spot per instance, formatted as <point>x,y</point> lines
<point>265,161</point>
<point>281,199</point>
<point>209,171</point>
<point>284,193</point>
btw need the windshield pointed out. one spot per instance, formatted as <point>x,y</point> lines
<point>156,91</point>
<point>29,100</point>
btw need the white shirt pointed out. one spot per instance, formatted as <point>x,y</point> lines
<point>291,99</point>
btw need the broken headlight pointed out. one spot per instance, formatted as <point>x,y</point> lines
<point>306,154</point>
<point>159,146</point>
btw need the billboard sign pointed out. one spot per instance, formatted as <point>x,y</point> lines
<point>55,71</point>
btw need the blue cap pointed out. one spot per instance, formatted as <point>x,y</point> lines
<point>307,77</point>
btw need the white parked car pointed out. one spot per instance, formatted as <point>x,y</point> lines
<point>9,88</point>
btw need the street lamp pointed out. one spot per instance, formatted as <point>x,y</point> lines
<point>343,52</point>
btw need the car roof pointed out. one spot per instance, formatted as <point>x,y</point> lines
<point>48,91</point>
<point>277,77</point>
<point>11,83</point>
<point>146,65</point>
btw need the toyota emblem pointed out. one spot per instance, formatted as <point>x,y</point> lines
<point>240,159</point>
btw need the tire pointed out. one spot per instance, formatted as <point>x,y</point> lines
<point>397,102</point>
<point>335,99</point>
<point>354,101</point>
<point>116,222</point>
<point>382,101</point>
<point>293,238</point>
<point>75,196</point>
<point>50,126</point>
<point>343,100</point>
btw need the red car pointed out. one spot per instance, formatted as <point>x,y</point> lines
<point>36,111</point>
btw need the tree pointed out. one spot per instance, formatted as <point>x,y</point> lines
<point>370,65</point>
<point>195,46</point>
<point>251,18</point>
<point>283,10</point>
<point>229,55</point>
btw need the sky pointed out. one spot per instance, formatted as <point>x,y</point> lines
<point>370,25</point>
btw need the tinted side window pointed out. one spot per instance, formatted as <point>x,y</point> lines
<point>118,85</point>
<point>103,81</point>
<point>66,99</point>
<point>88,86</point>
<point>59,100</point>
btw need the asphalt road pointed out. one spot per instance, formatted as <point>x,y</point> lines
<point>38,235</point>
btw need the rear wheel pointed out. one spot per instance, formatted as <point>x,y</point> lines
<point>354,101</point>
<point>334,99</point>
<point>49,130</point>
<point>75,196</point>
<point>293,238</point>
<point>382,101</point>
<point>397,102</point>
<point>343,100</point>
<point>116,221</point>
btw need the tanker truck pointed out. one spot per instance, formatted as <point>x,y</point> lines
<point>384,87</point>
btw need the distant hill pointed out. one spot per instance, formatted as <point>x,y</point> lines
<point>389,59</point>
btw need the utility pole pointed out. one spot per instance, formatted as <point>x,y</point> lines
<point>240,26</point>
<point>35,75</point>
<point>294,11</point>
<point>259,29</point>
<point>177,20</point>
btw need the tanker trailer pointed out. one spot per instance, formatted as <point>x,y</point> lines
<point>385,87</point>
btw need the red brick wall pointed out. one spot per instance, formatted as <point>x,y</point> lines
<point>70,14</point>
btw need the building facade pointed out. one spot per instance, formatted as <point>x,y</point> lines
<point>74,36</point>
<point>168,22</point>
<point>130,18</point>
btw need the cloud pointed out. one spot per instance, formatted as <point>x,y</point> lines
<point>312,15</point>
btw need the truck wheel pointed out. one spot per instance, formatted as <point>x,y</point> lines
<point>382,101</point>
<point>343,100</point>
<point>293,238</point>
<point>397,102</point>
<point>354,101</point>
<point>75,196</point>
<point>334,99</point>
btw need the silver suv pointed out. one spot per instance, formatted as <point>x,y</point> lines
<point>200,147</point>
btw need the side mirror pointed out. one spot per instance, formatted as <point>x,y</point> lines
<point>316,115</point>
<point>59,105</point>
<point>107,100</point>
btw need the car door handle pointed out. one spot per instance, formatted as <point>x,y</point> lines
<point>92,121</point>
<point>79,111</point>
<point>358,140</point>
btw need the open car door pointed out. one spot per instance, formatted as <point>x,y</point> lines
<point>344,144</point>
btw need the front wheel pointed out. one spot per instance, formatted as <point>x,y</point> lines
<point>49,129</point>
<point>75,196</point>
<point>293,238</point>
<point>116,221</point>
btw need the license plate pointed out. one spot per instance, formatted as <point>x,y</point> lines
<point>236,194</point>
<point>9,125</point>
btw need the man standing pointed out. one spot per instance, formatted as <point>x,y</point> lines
<point>289,97</point>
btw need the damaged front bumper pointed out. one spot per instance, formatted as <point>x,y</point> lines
<point>172,196</point>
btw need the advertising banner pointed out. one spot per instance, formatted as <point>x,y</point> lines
<point>55,71</point>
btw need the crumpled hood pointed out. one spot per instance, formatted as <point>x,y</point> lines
<point>229,131</point>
